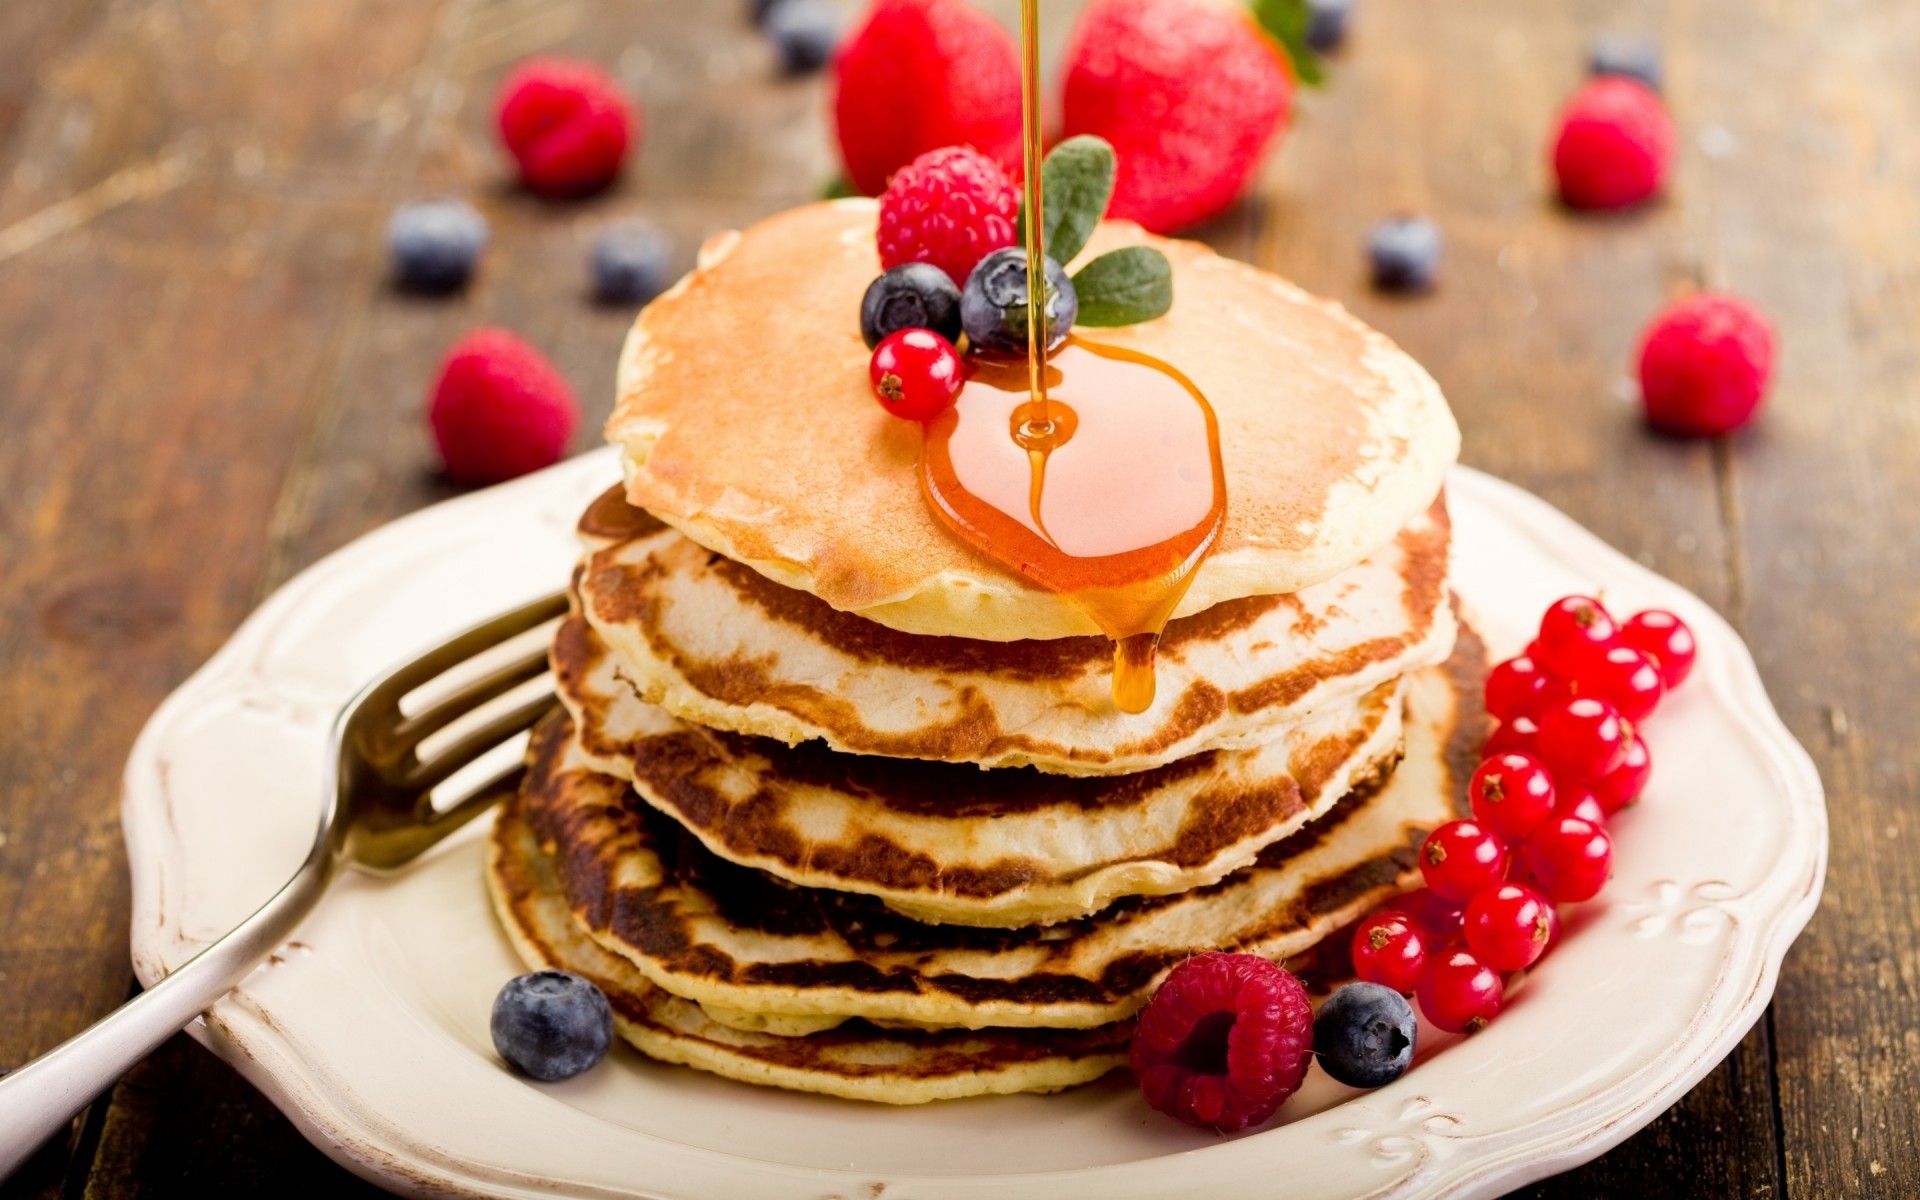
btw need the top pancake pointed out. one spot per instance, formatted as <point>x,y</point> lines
<point>745,420</point>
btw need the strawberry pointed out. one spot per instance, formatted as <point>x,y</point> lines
<point>918,75</point>
<point>1190,93</point>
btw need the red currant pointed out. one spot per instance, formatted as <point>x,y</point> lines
<point>1627,678</point>
<point>1517,735</point>
<point>1623,785</point>
<point>1434,913</point>
<point>1666,638</point>
<point>1512,793</point>
<point>1570,857</point>
<point>916,373</point>
<point>1459,993</point>
<point>1461,857</point>
<point>1580,802</point>
<point>1389,948</point>
<point>1581,739</point>
<point>1508,927</point>
<point>1575,631</point>
<point>1514,687</point>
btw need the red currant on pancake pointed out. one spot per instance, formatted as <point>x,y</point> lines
<point>1389,948</point>
<point>1510,926</point>
<point>1514,687</point>
<point>1459,993</point>
<point>1581,739</point>
<point>916,373</point>
<point>1461,857</point>
<point>1665,637</point>
<point>1436,915</point>
<point>1512,794</point>
<point>1581,802</point>
<point>1629,678</point>
<point>1570,857</point>
<point>1623,785</point>
<point>1575,631</point>
<point>1516,735</point>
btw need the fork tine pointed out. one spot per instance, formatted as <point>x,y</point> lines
<point>458,649</point>
<point>504,784</point>
<point>468,697</point>
<point>471,745</point>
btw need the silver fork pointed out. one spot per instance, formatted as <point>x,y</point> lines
<point>382,816</point>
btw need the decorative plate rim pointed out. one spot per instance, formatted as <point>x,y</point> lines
<point>376,1146</point>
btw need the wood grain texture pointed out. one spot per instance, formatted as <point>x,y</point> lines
<point>207,385</point>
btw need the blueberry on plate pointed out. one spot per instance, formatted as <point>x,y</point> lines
<point>551,1025</point>
<point>1405,253</point>
<point>911,296</point>
<point>1635,58</point>
<point>433,244</point>
<point>993,305</point>
<point>630,263</point>
<point>1327,23</point>
<point>804,32</point>
<point>1363,1035</point>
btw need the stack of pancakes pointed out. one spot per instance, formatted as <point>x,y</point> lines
<point>838,804</point>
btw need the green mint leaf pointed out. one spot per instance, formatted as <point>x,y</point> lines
<point>1125,287</point>
<point>838,188</point>
<point>1286,22</point>
<point>1076,182</point>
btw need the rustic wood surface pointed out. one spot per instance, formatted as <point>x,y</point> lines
<point>205,385</point>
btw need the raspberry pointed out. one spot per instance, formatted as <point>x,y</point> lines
<point>919,75</point>
<point>1704,365</point>
<point>499,409</point>
<point>567,125</point>
<point>1613,145</point>
<point>1224,1042</point>
<point>949,207</point>
<point>1190,93</point>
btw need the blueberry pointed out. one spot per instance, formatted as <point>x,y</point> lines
<point>1636,58</point>
<point>630,263</point>
<point>993,305</point>
<point>804,32</point>
<point>1363,1035</point>
<point>1406,253</point>
<point>552,1024</point>
<point>1327,23</point>
<point>911,296</point>
<point>434,244</point>
<point>757,10</point>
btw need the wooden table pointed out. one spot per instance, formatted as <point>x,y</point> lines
<point>205,385</point>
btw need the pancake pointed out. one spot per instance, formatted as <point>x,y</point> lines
<point>856,1061</point>
<point>745,420</point>
<point>722,646</point>
<point>740,941</point>
<point>941,842</point>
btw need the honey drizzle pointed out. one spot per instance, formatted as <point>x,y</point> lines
<point>1133,520</point>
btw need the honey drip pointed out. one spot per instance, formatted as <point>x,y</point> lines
<point>1095,473</point>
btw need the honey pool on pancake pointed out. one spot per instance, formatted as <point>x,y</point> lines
<point>1095,473</point>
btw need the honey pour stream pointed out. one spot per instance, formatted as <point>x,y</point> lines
<point>1096,473</point>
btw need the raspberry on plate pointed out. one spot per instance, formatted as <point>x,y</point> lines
<point>1612,145</point>
<point>919,75</point>
<point>1704,365</point>
<point>1224,1041</point>
<point>499,409</point>
<point>1190,94</point>
<point>950,207</point>
<point>567,124</point>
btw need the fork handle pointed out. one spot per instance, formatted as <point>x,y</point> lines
<point>41,1097</point>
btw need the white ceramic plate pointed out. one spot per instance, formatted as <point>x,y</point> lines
<point>370,1029</point>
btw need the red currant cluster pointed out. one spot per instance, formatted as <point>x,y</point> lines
<point>1565,758</point>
